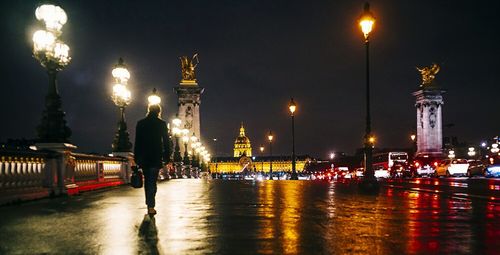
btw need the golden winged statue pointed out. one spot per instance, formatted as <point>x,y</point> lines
<point>428,73</point>
<point>188,67</point>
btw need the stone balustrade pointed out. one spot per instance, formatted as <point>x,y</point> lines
<point>29,174</point>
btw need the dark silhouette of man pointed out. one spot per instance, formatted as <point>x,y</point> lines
<point>151,151</point>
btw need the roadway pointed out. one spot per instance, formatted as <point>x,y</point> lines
<point>197,216</point>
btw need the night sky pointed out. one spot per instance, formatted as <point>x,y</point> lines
<point>254,56</point>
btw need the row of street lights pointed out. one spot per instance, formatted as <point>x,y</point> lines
<point>292,107</point>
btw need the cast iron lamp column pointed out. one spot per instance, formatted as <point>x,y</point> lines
<point>176,131</point>
<point>292,107</point>
<point>53,54</point>
<point>261,155</point>
<point>413,139</point>
<point>270,137</point>
<point>366,23</point>
<point>121,97</point>
<point>186,161</point>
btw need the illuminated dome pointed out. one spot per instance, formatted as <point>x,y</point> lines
<point>242,144</point>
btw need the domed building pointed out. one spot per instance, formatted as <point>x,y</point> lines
<point>243,160</point>
<point>242,145</point>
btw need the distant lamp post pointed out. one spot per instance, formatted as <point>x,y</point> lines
<point>366,22</point>
<point>262,160</point>
<point>154,99</point>
<point>215,149</point>
<point>176,131</point>
<point>413,139</point>
<point>471,152</point>
<point>270,138</point>
<point>292,107</point>
<point>121,97</point>
<point>185,140</point>
<point>451,154</point>
<point>53,54</point>
<point>494,148</point>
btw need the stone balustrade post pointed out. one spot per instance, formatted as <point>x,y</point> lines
<point>60,169</point>
<point>126,167</point>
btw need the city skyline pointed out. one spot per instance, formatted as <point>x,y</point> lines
<point>253,57</point>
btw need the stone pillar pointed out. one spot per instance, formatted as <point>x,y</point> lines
<point>189,99</point>
<point>64,165</point>
<point>126,167</point>
<point>429,104</point>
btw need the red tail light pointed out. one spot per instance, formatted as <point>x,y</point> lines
<point>417,164</point>
<point>435,163</point>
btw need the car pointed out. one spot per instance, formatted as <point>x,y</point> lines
<point>400,169</point>
<point>476,168</point>
<point>452,167</point>
<point>425,165</point>
<point>493,167</point>
<point>380,172</point>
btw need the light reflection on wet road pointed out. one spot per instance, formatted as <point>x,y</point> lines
<point>245,217</point>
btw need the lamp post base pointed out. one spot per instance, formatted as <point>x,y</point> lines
<point>294,176</point>
<point>369,184</point>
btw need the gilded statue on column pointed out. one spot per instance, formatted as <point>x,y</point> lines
<point>188,67</point>
<point>428,73</point>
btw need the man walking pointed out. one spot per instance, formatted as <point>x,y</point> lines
<point>151,151</point>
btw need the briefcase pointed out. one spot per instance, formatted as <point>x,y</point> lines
<point>136,178</point>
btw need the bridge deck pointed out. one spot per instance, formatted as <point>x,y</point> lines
<point>244,217</point>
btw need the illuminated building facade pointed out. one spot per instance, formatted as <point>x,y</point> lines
<point>243,160</point>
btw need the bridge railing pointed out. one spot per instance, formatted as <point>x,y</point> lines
<point>99,168</point>
<point>28,174</point>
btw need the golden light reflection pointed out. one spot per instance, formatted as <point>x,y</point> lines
<point>266,211</point>
<point>117,230</point>
<point>184,228</point>
<point>290,218</point>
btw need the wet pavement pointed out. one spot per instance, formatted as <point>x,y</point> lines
<point>244,217</point>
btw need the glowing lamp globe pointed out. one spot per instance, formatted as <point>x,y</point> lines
<point>53,16</point>
<point>154,99</point>
<point>367,21</point>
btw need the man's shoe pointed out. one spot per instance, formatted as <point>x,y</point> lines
<point>151,211</point>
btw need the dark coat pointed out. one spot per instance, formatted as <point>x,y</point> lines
<point>152,144</point>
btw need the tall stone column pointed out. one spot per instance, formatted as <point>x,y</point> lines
<point>189,97</point>
<point>189,100</point>
<point>429,104</point>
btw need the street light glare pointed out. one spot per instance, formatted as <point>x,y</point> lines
<point>154,99</point>
<point>177,122</point>
<point>53,16</point>
<point>292,106</point>
<point>372,139</point>
<point>270,137</point>
<point>61,53</point>
<point>121,74</point>
<point>43,41</point>
<point>367,21</point>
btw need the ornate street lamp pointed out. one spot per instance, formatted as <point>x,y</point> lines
<point>292,107</point>
<point>121,97</point>
<point>366,22</point>
<point>186,161</point>
<point>185,140</point>
<point>53,55</point>
<point>176,131</point>
<point>270,138</point>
